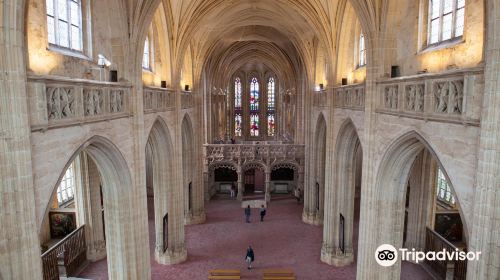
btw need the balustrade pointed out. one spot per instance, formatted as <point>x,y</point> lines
<point>320,98</point>
<point>158,99</point>
<point>66,256</point>
<point>435,243</point>
<point>254,152</point>
<point>187,99</point>
<point>59,101</point>
<point>350,97</point>
<point>453,96</point>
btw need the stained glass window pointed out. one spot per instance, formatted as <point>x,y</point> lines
<point>66,189</point>
<point>254,124</point>
<point>446,20</point>
<point>362,50</point>
<point>271,126</point>
<point>237,124</point>
<point>64,23</point>
<point>444,193</point>
<point>237,93</point>
<point>254,95</point>
<point>271,105</point>
<point>238,110</point>
<point>270,94</point>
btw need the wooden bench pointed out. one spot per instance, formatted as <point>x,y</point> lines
<point>220,274</point>
<point>279,274</point>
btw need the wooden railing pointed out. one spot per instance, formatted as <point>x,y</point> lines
<point>66,256</point>
<point>435,243</point>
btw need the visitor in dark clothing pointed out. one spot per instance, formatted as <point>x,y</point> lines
<point>262,213</point>
<point>249,258</point>
<point>248,211</point>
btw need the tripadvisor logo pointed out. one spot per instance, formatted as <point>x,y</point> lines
<point>387,255</point>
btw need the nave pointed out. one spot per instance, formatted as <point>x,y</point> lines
<point>281,241</point>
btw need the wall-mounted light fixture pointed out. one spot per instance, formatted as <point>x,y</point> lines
<point>186,88</point>
<point>102,61</point>
<point>344,81</point>
<point>164,84</point>
<point>321,86</point>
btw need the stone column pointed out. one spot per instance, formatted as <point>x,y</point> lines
<point>206,185</point>
<point>19,244</point>
<point>422,193</point>
<point>268,186</point>
<point>485,233</point>
<point>241,188</point>
<point>177,251</point>
<point>89,208</point>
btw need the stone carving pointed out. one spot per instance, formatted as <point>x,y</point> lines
<point>222,165</point>
<point>60,103</point>
<point>93,101</point>
<point>448,96</point>
<point>441,96</point>
<point>414,97</point>
<point>284,165</point>
<point>457,96</point>
<point>350,97</point>
<point>148,99</point>
<point>251,153</point>
<point>391,97</point>
<point>116,101</point>
<point>158,99</point>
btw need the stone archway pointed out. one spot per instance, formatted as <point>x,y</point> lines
<point>383,211</point>
<point>168,198</point>
<point>340,198</point>
<point>126,231</point>
<point>314,193</point>
<point>194,212</point>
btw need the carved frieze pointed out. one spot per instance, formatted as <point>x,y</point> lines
<point>60,102</point>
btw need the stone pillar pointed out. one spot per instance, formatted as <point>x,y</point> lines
<point>485,233</point>
<point>241,188</point>
<point>176,252</point>
<point>206,185</point>
<point>89,208</point>
<point>19,244</point>
<point>422,193</point>
<point>268,186</point>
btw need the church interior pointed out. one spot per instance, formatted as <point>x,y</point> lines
<point>135,134</point>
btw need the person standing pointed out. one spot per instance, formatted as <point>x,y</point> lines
<point>297,195</point>
<point>249,258</point>
<point>233,193</point>
<point>248,211</point>
<point>262,213</point>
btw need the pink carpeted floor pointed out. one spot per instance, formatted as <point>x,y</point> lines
<point>281,241</point>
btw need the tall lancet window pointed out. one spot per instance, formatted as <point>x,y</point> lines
<point>362,50</point>
<point>146,63</point>
<point>271,107</point>
<point>238,112</point>
<point>254,107</point>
